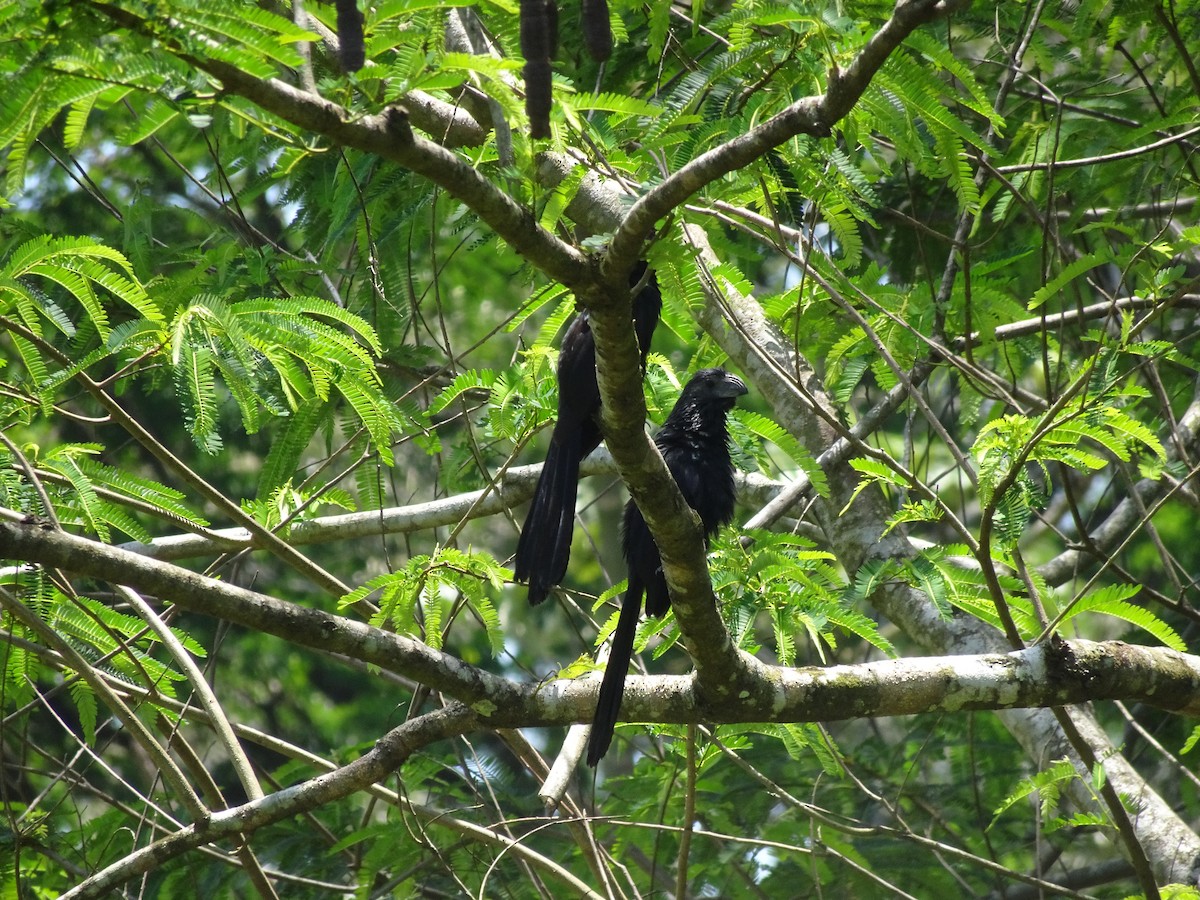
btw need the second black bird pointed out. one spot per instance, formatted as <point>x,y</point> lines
<point>694,442</point>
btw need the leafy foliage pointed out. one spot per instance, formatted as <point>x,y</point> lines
<point>795,588</point>
<point>210,306</point>
<point>422,599</point>
<point>1047,785</point>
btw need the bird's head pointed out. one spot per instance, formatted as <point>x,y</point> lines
<point>714,384</point>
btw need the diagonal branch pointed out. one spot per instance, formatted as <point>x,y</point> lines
<point>724,670</point>
<point>208,596</point>
<point>388,136</point>
<point>813,116</point>
<point>389,752</point>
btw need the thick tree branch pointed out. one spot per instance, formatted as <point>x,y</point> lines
<point>723,671</point>
<point>208,596</point>
<point>1053,673</point>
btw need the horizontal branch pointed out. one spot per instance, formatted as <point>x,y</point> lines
<point>1102,310</point>
<point>1100,160</point>
<point>1053,673</point>
<point>517,487</point>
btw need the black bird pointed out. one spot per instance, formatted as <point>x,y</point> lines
<point>545,543</point>
<point>694,442</point>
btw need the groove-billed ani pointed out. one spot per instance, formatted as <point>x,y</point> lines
<point>545,544</point>
<point>694,442</point>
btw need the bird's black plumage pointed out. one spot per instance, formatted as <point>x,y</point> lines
<point>544,547</point>
<point>694,442</point>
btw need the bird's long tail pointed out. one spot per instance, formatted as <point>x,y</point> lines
<point>544,547</point>
<point>612,688</point>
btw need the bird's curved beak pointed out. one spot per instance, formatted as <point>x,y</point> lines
<point>731,386</point>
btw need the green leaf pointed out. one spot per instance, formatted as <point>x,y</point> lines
<point>1047,784</point>
<point>1112,601</point>
<point>1069,273</point>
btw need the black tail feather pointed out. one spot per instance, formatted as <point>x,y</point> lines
<point>544,547</point>
<point>612,687</point>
